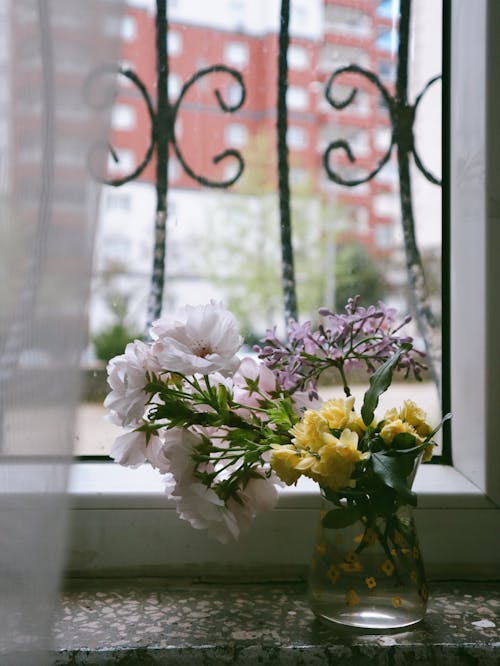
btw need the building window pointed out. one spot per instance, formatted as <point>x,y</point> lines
<point>387,41</point>
<point>297,137</point>
<point>297,98</point>
<point>174,42</point>
<point>236,134</point>
<point>384,237</point>
<point>234,94</point>
<point>387,70</point>
<point>174,86</point>
<point>298,57</point>
<point>299,176</point>
<point>388,9</point>
<point>117,201</point>
<point>333,56</point>
<point>382,138</point>
<point>128,28</point>
<point>123,117</point>
<point>236,53</point>
<point>125,27</point>
<point>350,20</point>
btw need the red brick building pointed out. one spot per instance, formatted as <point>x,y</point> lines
<point>352,32</point>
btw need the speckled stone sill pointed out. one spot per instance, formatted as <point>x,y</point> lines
<point>163,621</point>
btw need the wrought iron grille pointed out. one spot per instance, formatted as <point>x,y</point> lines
<point>402,115</point>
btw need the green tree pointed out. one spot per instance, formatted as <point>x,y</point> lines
<point>112,339</point>
<point>242,256</point>
<point>356,272</point>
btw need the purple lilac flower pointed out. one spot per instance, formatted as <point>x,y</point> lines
<point>361,336</point>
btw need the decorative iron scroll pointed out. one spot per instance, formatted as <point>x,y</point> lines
<point>162,134</point>
<point>402,117</point>
<point>228,108</point>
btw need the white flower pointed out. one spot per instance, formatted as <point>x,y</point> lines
<point>257,496</point>
<point>127,378</point>
<point>155,453</point>
<point>129,449</point>
<point>204,510</point>
<point>251,369</point>
<point>201,339</point>
<point>200,505</point>
<point>177,449</point>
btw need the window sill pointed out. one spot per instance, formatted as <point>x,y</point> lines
<point>161,621</point>
<point>123,525</point>
<point>109,486</point>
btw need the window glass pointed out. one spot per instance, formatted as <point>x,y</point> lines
<point>123,117</point>
<point>224,243</point>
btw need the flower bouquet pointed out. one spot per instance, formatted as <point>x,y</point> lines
<point>226,431</point>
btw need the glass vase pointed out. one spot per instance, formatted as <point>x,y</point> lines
<point>369,574</point>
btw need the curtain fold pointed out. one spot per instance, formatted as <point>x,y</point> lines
<point>54,110</point>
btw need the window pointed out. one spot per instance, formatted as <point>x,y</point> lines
<point>128,28</point>
<point>388,9</point>
<point>236,135</point>
<point>298,58</point>
<point>123,117</point>
<point>387,71</point>
<point>387,41</point>
<point>236,53</point>
<point>174,43</point>
<point>297,98</point>
<point>445,493</point>
<point>118,201</point>
<point>174,86</point>
<point>297,137</point>
<point>383,236</point>
<point>334,56</point>
<point>233,94</point>
<point>345,19</point>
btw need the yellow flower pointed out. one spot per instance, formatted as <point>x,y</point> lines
<point>337,412</point>
<point>391,415</point>
<point>356,424</point>
<point>321,548</point>
<point>416,417</point>
<point>393,428</point>
<point>336,461</point>
<point>284,460</point>
<point>311,431</point>
<point>333,574</point>
<point>388,567</point>
<point>428,452</point>
<point>370,582</point>
<point>352,598</point>
<point>351,563</point>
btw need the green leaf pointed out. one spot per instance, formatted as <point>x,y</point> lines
<point>380,382</point>
<point>429,437</point>
<point>283,414</point>
<point>222,397</point>
<point>393,471</point>
<point>337,518</point>
<point>404,440</point>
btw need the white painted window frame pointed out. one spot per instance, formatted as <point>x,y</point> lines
<point>121,522</point>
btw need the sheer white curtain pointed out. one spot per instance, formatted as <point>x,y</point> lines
<point>54,111</point>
